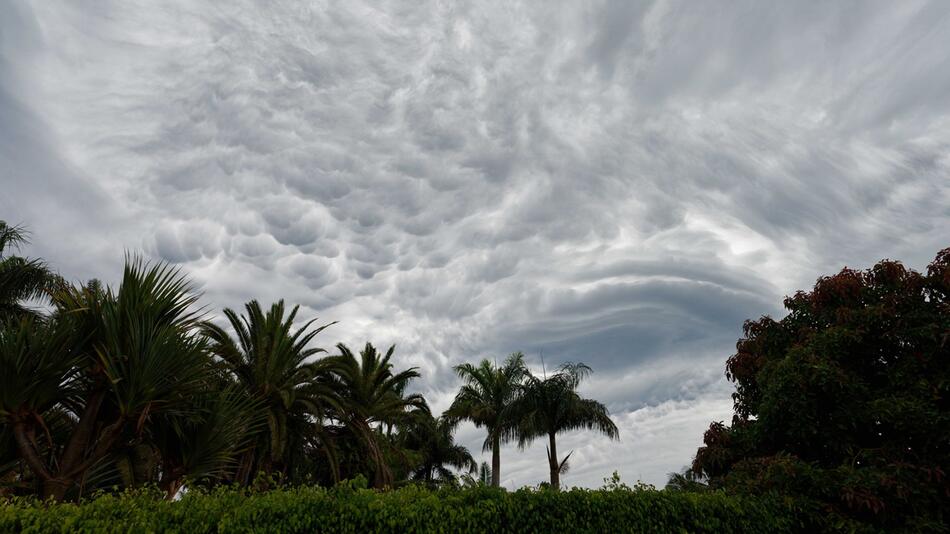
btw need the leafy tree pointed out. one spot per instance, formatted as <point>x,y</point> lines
<point>369,394</point>
<point>434,441</point>
<point>484,399</point>
<point>273,363</point>
<point>550,405</point>
<point>21,279</point>
<point>845,401</point>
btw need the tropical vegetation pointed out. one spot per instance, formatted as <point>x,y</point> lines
<point>137,385</point>
<point>135,408</point>
<point>550,405</point>
<point>487,393</point>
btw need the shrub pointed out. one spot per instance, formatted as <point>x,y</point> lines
<point>351,508</point>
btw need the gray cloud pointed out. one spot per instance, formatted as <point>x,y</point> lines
<point>618,182</point>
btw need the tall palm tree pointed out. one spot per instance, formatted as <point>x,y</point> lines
<point>550,405</point>
<point>484,399</point>
<point>369,395</point>
<point>432,438</point>
<point>274,363</point>
<point>21,279</point>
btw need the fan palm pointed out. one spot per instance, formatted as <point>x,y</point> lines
<point>273,362</point>
<point>21,279</point>
<point>484,399</point>
<point>552,405</point>
<point>369,393</point>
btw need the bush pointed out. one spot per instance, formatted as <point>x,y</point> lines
<point>350,508</point>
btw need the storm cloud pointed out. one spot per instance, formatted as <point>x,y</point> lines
<point>621,183</point>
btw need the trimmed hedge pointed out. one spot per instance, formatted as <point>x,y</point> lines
<point>409,509</point>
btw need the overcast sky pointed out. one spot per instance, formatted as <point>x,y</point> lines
<point>621,183</point>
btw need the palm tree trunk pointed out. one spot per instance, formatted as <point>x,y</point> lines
<point>552,461</point>
<point>495,461</point>
<point>382,477</point>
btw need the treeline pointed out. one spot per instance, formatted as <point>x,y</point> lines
<point>841,413</point>
<point>131,386</point>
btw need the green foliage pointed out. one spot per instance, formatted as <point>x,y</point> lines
<point>272,363</point>
<point>350,507</point>
<point>550,405</point>
<point>487,393</point>
<point>846,400</point>
<point>432,439</point>
<point>91,378</point>
<point>21,279</point>
<point>368,392</point>
<point>686,480</point>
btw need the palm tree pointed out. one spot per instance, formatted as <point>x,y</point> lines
<point>686,480</point>
<point>482,480</point>
<point>484,399</point>
<point>205,443</point>
<point>432,438</point>
<point>369,393</point>
<point>21,279</point>
<point>273,363</point>
<point>551,405</point>
<point>39,367</point>
<point>102,368</point>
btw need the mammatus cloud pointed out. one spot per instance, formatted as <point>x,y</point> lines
<point>614,182</point>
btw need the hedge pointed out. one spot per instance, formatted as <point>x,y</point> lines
<point>409,509</point>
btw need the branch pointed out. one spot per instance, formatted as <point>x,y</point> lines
<point>29,452</point>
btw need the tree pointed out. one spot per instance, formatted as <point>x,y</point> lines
<point>21,279</point>
<point>685,480</point>
<point>204,443</point>
<point>484,398</point>
<point>844,401</point>
<point>39,369</point>
<point>550,405</point>
<point>273,363</point>
<point>368,393</point>
<point>432,438</point>
<point>483,478</point>
<point>105,365</point>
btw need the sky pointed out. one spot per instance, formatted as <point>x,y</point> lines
<point>615,182</point>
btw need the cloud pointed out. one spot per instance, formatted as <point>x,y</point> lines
<point>621,183</point>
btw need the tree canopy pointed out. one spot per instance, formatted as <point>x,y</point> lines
<point>845,400</point>
<point>485,398</point>
<point>549,405</point>
<point>21,279</point>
